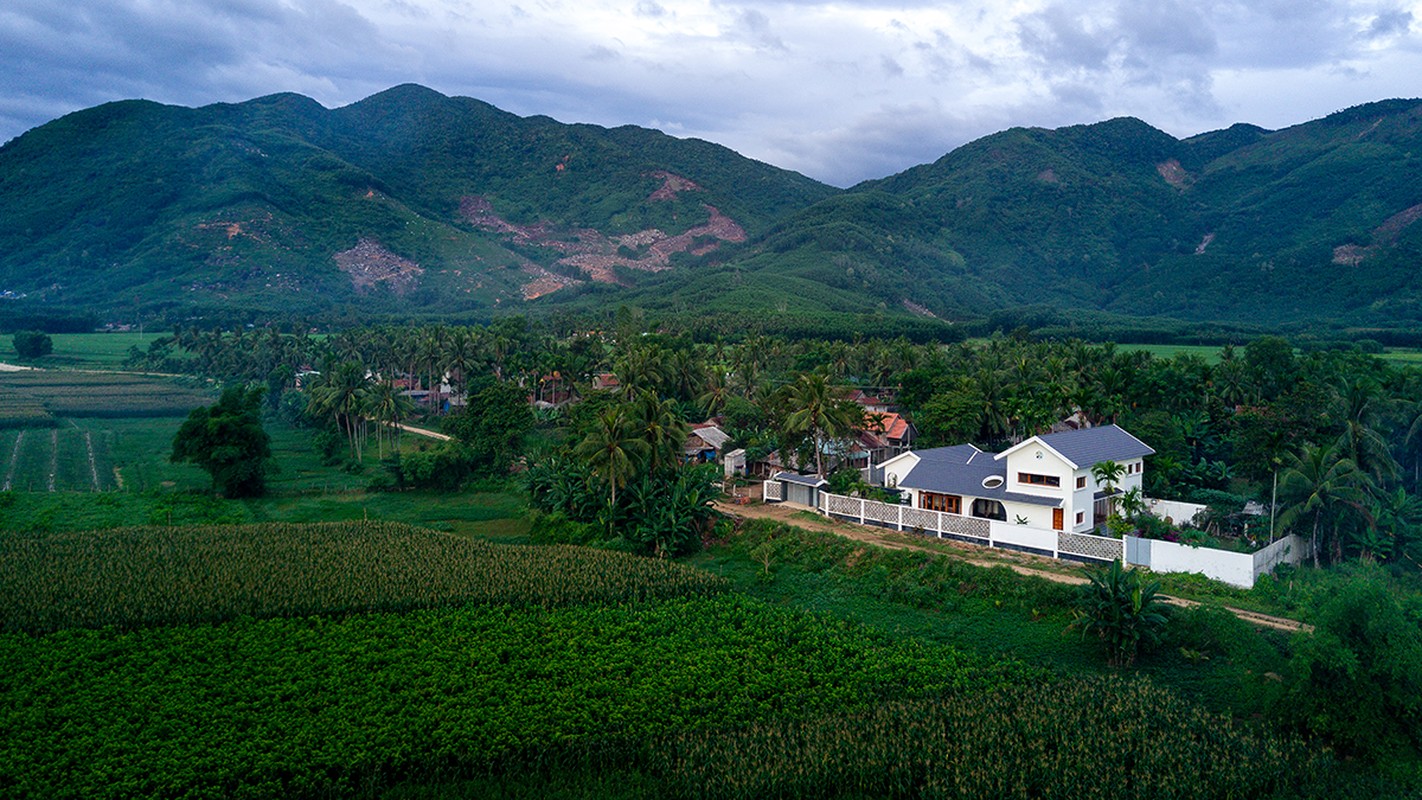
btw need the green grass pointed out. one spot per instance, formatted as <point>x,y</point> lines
<point>84,350</point>
<point>1403,356</point>
<point>140,486</point>
<point>1224,664</point>
<point>1210,353</point>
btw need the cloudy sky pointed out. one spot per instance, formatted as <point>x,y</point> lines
<point>841,91</point>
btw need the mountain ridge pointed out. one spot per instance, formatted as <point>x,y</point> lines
<point>409,201</point>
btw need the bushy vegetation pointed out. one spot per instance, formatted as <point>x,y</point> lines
<point>1098,738</point>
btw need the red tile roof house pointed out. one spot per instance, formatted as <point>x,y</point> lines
<point>1046,481</point>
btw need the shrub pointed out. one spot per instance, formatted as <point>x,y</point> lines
<point>1122,610</point>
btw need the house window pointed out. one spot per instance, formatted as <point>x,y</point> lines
<point>950,503</point>
<point>1081,482</point>
<point>1039,480</point>
<point>1080,517</point>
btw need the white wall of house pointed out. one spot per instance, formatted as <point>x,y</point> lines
<point>897,467</point>
<point>1037,460</point>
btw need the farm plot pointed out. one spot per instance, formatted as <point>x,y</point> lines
<point>54,460</point>
<point>98,394</point>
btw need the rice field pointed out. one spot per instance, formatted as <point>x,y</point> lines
<point>86,350</point>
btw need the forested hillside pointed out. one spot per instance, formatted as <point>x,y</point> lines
<point>413,203</point>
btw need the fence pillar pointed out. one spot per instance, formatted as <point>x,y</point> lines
<point>899,509</point>
<point>938,515</point>
<point>862,502</point>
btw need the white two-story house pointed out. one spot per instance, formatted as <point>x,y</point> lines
<point>1046,481</point>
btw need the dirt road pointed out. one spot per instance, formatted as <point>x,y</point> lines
<point>1021,563</point>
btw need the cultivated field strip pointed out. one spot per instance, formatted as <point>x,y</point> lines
<point>55,460</point>
<point>133,577</point>
<point>34,397</point>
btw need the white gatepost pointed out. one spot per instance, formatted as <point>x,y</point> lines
<point>900,510</point>
<point>862,503</point>
<point>939,515</point>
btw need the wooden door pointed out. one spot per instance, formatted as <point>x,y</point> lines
<point>1057,519</point>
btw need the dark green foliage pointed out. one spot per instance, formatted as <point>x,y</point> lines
<point>1357,679</point>
<point>311,707</point>
<point>32,344</point>
<point>492,425</point>
<point>228,441</point>
<point>1121,609</point>
<point>1099,738</point>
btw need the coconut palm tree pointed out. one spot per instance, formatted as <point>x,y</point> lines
<point>388,406</point>
<point>613,449</point>
<point>341,393</point>
<point>660,428</point>
<point>817,412</point>
<point>1319,485</point>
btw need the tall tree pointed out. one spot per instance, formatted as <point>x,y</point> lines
<point>613,449</point>
<point>228,441</point>
<point>816,412</point>
<point>1318,486</point>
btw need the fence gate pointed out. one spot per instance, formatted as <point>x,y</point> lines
<point>1137,551</point>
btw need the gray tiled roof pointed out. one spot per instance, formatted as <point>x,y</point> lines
<point>960,470</point>
<point>1090,446</point>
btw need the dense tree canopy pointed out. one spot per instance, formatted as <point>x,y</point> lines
<point>227,440</point>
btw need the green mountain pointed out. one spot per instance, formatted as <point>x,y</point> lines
<point>413,202</point>
<point>1309,223</point>
<point>406,201</point>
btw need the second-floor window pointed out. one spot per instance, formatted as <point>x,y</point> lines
<point>1039,480</point>
<point>1081,482</point>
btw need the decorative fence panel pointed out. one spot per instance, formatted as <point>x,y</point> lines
<point>1089,546</point>
<point>921,519</point>
<point>965,526</point>
<point>1161,556</point>
<point>772,491</point>
<point>882,512</point>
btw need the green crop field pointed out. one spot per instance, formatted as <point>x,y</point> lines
<point>85,350</point>
<point>377,660</point>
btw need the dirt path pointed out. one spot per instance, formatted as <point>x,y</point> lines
<point>1021,563</point>
<point>424,432</point>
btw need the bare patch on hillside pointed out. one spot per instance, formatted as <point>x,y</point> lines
<point>1351,255</point>
<point>1174,174</point>
<point>1398,222</point>
<point>1048,175</point>
<point>1204,243</point>
<point>544,282</point>
<point>369,264</point>
<point>915,308</point>
<point>671,186</point>
<point>596,255</point>
<point>1384,235</point>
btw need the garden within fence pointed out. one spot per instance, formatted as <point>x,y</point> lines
<point>991,533</point>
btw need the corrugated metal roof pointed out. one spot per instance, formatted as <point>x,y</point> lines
<point>712,435</point>
<point>803,480</point>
